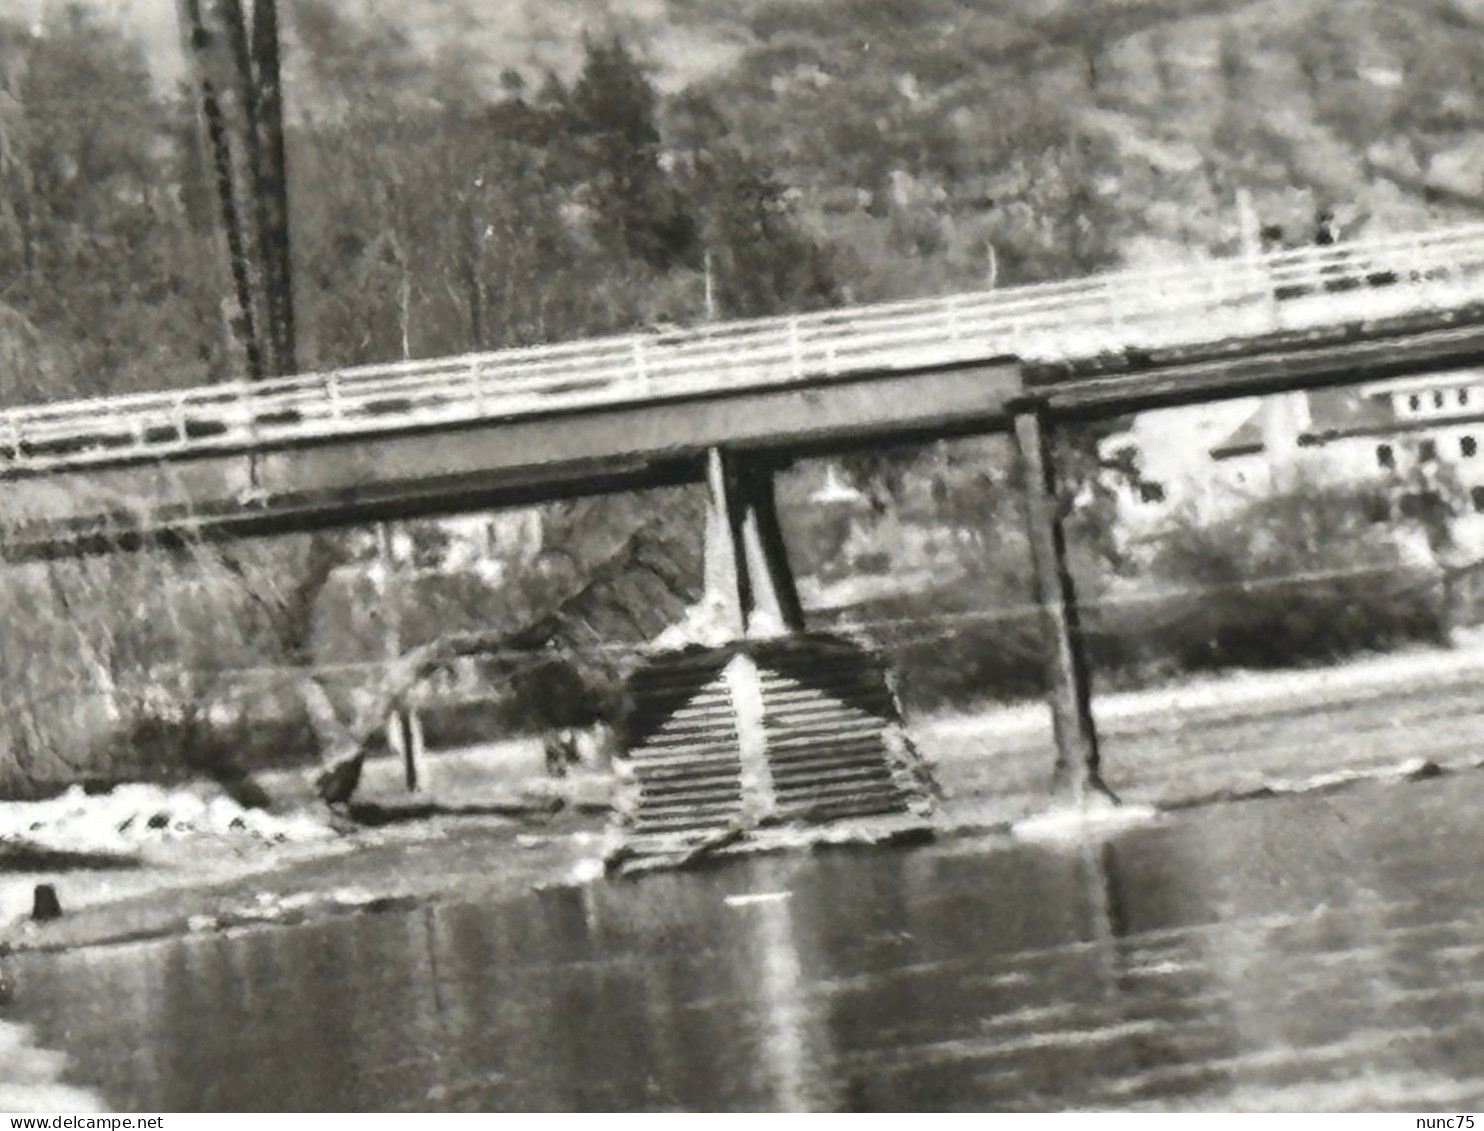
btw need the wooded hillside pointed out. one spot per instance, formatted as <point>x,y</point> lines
<point>469,180</point>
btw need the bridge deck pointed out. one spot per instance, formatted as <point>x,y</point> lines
<point>1111,315</point>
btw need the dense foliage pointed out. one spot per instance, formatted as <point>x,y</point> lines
<point>432,213</point>
<point>1301,577</point>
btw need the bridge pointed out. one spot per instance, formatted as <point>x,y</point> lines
<point>515,426</point>
<point>726,403</point>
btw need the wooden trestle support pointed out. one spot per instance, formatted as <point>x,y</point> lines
<point>764,734</point>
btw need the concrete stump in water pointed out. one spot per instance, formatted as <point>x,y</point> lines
<point>44,904</point>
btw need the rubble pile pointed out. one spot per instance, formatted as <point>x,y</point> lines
<point>131,816</point>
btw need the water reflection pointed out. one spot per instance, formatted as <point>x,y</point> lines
<point>1297,953</point>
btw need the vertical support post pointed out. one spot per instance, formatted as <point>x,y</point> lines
<point>766,532</point>
<point>403,729</point>
<point>1077,772</point>
<point>746,559</point>
<point>726,568</point>
<point>405,736</point>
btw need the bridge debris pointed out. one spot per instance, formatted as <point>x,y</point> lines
<point>78,829</point>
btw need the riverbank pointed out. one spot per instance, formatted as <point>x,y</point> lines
<point>1239,736</point>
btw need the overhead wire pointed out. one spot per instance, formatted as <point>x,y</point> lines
<point>883,631</point>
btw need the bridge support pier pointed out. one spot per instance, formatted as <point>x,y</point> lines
<point>1077,777</point>
<point>754,729</point>
<point>747,567</point>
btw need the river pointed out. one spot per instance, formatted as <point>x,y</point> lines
<point>1312,952</point>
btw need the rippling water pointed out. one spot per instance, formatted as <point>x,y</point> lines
<point>1312,952</point>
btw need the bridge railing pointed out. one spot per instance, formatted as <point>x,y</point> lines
<point>1080,318</point>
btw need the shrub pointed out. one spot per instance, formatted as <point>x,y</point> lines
<point>1305,577</point>
<point>1301,577</point>
<point>947,649</point>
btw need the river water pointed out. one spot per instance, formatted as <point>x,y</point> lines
<point>1315,952</point>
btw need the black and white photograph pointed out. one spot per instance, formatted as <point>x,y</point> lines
<point>762,556</point>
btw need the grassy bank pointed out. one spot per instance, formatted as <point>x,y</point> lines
<point>1232,733</point>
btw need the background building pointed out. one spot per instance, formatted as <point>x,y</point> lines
<point>1417,441</point>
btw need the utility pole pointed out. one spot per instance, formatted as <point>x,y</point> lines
<point>710,288</point>
<point>404,730</point>
<point>403,727</point>
<point>236,78</point>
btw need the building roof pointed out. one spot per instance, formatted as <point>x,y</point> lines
<point>1342,412</point>
<point>1333,413</point>
<point>1245,441</point>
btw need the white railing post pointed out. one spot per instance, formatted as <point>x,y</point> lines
<point>1468,272</point>
<point>476,378</point>
<point>1110,291</point>
<point>795,348</point>
<point>1446,267</point>
<point>332,393</point>
<point>1254,285</point>
<point>1273,271</point>
<point>1011,329</point>
<point>178,417</point>
<point>640,367</point>
<point>1434,274</point>
<point>1419,263</point>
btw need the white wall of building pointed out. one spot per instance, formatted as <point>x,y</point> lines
<point>1431,444</point>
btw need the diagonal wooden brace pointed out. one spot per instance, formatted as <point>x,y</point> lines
<point>747,565</point>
